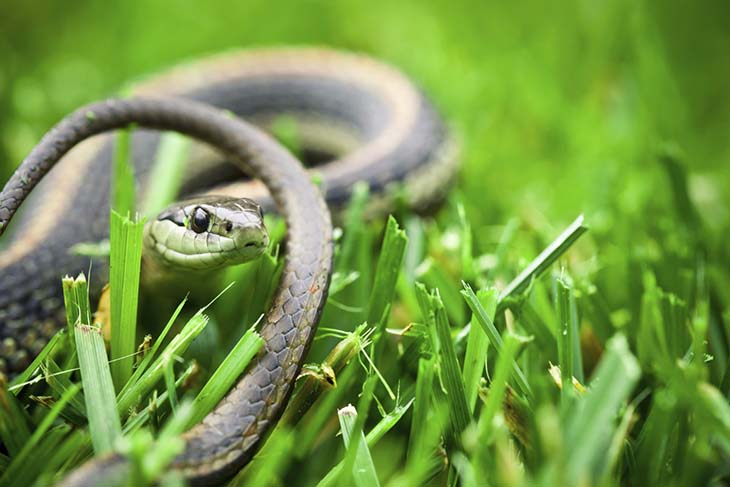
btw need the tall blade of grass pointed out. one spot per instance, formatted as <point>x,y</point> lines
<point>372,438</point>
<point>225,375</point>
<point>99,394</point>
<point>421,406</point>
<point>591,422</point>
<point>386,274</point>
<point>546,258</point>
<point>575,347</point>
<point>568,339</point>
<point>483,319</point>
<point>450,368</point>
<point>476,348</point>
<point>358,464</point>
<point>124,266</point>
<point>76,300</point>
<point>363,468</point>
<point>123,179</point>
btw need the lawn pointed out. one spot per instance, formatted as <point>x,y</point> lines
<point>616,111</point>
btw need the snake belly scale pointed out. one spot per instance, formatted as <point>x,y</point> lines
<point>369,120</point>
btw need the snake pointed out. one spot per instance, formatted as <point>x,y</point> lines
<point>357,120</point>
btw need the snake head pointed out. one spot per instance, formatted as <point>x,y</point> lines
<point>207,233</point>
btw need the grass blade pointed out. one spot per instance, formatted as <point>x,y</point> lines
<point>569,353</point>
<point>435,316</point>
<point>104,422</point>
<point>386,274</point>
<point>590,425</point>
<point>358,462</point>
<point>476,348</point>
<point>151,354</point>
<point>363,468</point>
<point>125,260</point>
<point>421,406</point>
<point>483,319</point>
<point>546,258</point>
<point>177,346</point>
<point>123,177</point>
<point>76,301</point>
<point>49,351</point>
<point>372,438</point>
<point>225,375</point>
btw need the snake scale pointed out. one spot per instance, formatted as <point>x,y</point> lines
<point>359,119</point>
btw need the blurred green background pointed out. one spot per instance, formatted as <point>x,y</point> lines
<point>562,109</point>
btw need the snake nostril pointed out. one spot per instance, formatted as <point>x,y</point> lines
<point>229,227</point>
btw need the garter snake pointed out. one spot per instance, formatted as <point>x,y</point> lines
<point>364,119</point>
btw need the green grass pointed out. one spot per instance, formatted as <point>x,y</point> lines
<point>614,110</point>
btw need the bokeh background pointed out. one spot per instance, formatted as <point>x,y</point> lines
<point>562,108</point>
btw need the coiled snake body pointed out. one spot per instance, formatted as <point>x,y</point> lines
<point>364,117</point>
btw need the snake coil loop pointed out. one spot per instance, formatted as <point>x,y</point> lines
<point>365,116</point>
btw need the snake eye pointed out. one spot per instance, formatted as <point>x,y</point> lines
<point>199,222</point>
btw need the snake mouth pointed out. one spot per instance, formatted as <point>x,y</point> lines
<point>210,260</point>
